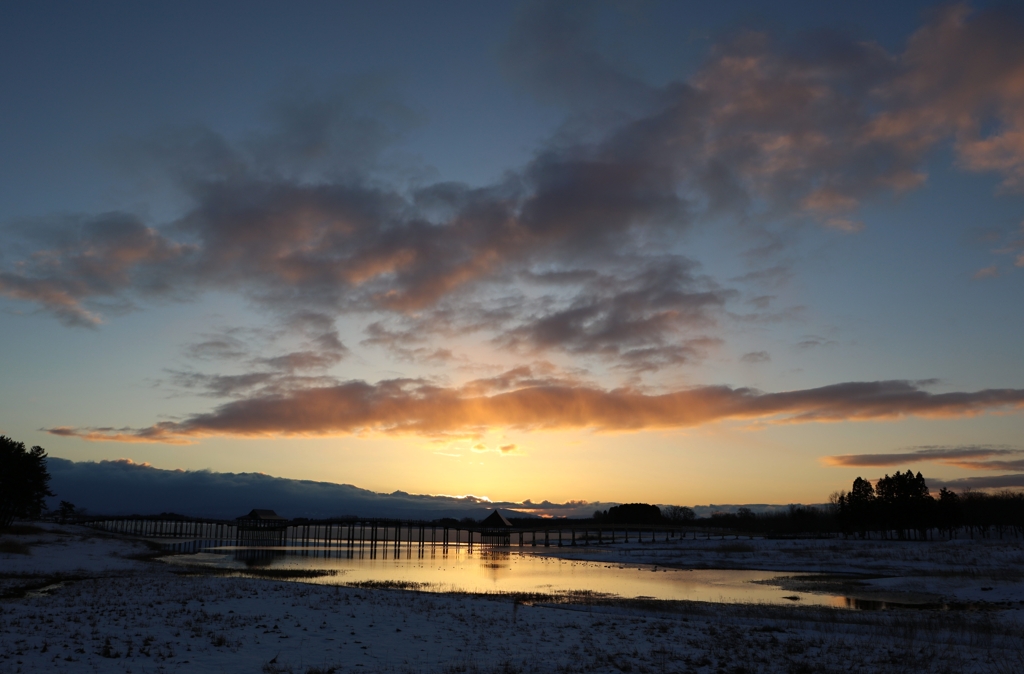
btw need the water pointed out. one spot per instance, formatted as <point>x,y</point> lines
<point>489,570</point>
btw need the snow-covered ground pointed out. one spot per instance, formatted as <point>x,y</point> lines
<point>117,611</point>
<point>60,549</point>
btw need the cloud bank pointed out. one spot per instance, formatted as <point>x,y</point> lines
<point>519,400</point>
<point>123,487</point>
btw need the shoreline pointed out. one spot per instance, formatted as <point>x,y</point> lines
<point>971,572</point>
<point>123,612</point>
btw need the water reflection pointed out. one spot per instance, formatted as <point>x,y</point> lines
<point>483,569</point>
<point>882,605</point>
<point>258,557</point>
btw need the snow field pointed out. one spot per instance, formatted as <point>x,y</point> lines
<point>85,603</point>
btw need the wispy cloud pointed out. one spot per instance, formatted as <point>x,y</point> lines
<point>505,450</point>
<point>965,456</point>
<point>987,272</point>
<point>644,319</point>
<point>1010,243</point>
<point>814,341</point>
<point>1015,481</point>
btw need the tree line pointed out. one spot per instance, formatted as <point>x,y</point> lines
<point>899,506</point>
<point>643,513</point>
<point>902,507</point>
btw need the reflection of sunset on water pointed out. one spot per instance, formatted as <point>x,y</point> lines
<point>484,571</point>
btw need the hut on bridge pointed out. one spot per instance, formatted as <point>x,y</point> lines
<point>495,529</point>
<point>261,527</point>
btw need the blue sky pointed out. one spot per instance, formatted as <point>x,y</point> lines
<point>681,252</point>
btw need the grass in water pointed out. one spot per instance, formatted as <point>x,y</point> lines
<point>260,573</point>
<point>389,585</point>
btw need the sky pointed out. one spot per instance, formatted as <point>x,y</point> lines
<point>664,252</point>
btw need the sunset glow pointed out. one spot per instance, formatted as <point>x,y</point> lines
<point>525,251</point>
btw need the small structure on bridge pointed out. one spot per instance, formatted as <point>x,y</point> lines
<point>261,527</point>
<point>495,529</point>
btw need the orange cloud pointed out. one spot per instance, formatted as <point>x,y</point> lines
<point>416,407</point>
<point>50,294</point>
<point>987,272</point>
<point>155,434</point>
<point>826,200</point>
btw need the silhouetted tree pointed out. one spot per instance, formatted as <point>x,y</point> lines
<point>746,517</point>
<point>948,515</point>
<point>905,503</point>
<point>24,481</point>
<point>1011,511</point>
<point>856,509</point>
<point>678,514</point>
<point>66,510</point>
<point>631,513</point>
<point>981,512</point>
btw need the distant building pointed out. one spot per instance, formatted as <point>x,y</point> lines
<point>495,529</point>
<point>257,514</point>
<point>261,528</point>
<point>493,521</point>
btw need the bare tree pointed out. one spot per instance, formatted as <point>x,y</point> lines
<point>678,514</point>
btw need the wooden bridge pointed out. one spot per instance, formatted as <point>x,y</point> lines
<point>357,534</point>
